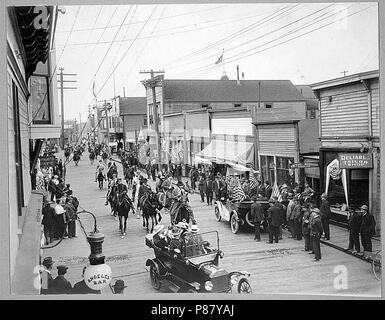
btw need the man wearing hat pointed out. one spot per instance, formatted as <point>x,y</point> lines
<point>274,219</point>
<point>46,276</point>
<point>355,220</point>
<point>60,284</point>
<point>119,287</point>
<point>48,222</point>
<point>290,214</point>
<point>367,231</point>
<point>297,217</point>
<point>256,213</point>
<point>316,232</point>
<point>325,215</point>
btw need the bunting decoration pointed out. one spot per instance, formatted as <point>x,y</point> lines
<point>276,192</point>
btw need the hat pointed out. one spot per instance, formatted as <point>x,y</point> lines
<point>158,228</point>
<point>364,207</point>
<point>119,284</point>
<point>182,225</point>
<point>47,261</point>
<point>194,228</point>
<point>61,269</point>
<point>324,195</point>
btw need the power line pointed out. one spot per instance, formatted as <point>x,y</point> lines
<point>125,53</point>
<point>142,21</point>
<point>69,34</point>
<point>109,48</point>
<point>288,40</point>
<point>271,32</point>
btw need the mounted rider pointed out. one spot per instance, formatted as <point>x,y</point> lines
<point>112,188</point>
<point>178,198</point>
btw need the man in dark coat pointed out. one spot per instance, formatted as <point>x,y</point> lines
<point>217,186</point>
<point>316,232</point>
<point>367,231</point>
<point>274,219</point>
<point>256,212</point>
<point>202,188</point>
<point>306,229</point>
<point>355,220</point>
<point>49,221</point>
<point>60,284</point>
<point>209,191</point>
<point>283,214</point>
<point>82,288</point>
<point>71,218</point>
<point>325,215</point>
<point>297,215</point>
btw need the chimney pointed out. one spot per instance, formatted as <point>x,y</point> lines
<point>238,82</point>
<point>243,76</point>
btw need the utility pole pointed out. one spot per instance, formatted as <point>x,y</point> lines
<point>62,81</point>
<point>153,83</point>
<point>106,108</point>
<point>344,72</point>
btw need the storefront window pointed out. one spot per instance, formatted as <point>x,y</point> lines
<point>284,174</point>
<point>39,101</point>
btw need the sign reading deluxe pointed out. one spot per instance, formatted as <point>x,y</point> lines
<point>356,160</point>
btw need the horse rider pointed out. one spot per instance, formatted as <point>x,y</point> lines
<point>111,193</point>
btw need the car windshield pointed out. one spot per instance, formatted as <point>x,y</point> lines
<point>197,244</point>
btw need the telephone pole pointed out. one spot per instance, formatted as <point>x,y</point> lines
<point>154,82</point>
<point>62,88</point>
<point>344,72</point>
<point>106,108</point>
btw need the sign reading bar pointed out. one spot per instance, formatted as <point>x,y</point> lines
<point>356,160</point>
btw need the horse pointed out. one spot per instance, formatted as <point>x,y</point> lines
<point>123,205</point>
<point>180,212</point>
<point>150,208</point>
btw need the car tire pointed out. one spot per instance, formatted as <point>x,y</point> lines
<point>154,276</point>
<point>191,291</point>
<point>249,220</point>
<point>217,214</point>
<point>234,223</point>
<point>244,286</point>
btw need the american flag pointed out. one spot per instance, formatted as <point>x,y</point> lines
<point>253,181</point>
<point>238,193</point>
<point>276,192</point>
<point>335,170</point>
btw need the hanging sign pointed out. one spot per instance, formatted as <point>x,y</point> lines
<point>355,160</point>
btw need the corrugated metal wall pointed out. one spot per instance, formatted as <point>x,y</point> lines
<point>376,112</point>
<point>197,124</point>
<point>277,139</point>
<point>174,123</point>
<point>232,126</point>
<point>345,115</point>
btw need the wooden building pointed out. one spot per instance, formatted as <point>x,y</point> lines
<point>350,142</point>
<point>133,112</point>
<point>33,116</point>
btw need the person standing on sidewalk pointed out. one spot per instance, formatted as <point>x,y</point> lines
<point>290,214</point>
<point>355,220</point>
<point>48,222</point>
<point>274,219</point>
<point>283,214</point>
<point>367,231</point>
<point>325,215</point>
<point>202,188</point>
<point>297,216</point>
<point>256,213</point>
<point>46,276</point>
<point>306,229</point>
<point>60,225</point>
<point>316,232</point>
<point>209,191</point>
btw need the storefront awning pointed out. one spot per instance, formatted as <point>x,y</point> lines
<point>229,152</point>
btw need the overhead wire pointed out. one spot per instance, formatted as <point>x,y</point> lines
<point>283,42</point>
<point>125,53</point>
<point>237,46</point>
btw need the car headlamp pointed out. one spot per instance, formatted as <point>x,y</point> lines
<point>233,280</point>
<point>208,285</point>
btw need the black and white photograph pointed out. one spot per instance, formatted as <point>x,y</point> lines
<point>227,149</point>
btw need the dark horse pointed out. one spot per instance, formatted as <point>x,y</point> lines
<point>150,208</point>
<point>123,205</point>
<point>180,212</point>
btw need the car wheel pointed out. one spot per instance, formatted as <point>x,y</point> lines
<point>248,219</point>
<point>192,291</point>
<point>154,275</point>
<point>217,214</point>
<point>244,286</point>
<point>234,224</point>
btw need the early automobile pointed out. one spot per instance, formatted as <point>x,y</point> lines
<point>191,264</point>
<point>238,213</point>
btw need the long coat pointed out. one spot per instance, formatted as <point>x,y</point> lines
<point>61,285</point>
<point>274,216</point>
<point>316,226</point>
<point>256,212</point>
<point>368,225</point>
<point>49,216</point>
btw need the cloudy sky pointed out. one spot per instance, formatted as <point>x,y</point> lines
<point>305,43</point>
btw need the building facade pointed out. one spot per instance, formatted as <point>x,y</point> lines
<point>349,132</point>
<point>33,117</point>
